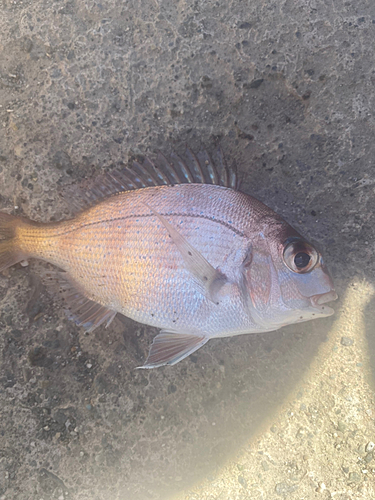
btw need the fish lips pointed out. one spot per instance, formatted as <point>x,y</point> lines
<point>318,300</point>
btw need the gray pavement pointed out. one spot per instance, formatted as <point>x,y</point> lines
<point>287,88</point>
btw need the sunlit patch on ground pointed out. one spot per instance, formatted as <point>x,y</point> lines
<point>327,420</point>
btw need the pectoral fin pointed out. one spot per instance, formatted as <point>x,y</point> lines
<point>168,348</point>
<point>209,279</point>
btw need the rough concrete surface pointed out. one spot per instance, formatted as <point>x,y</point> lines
<point>287,88</point>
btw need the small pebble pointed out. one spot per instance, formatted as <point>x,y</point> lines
<point>341,426</point>
<point>347,341</point>
<point>354,477</point>
<point>321,488</point>
<point>265,465</point>
<point>284,489</point>
<point>89,365</point>
<point>242,481</point>
<point>370,446</point>
<point>362,449</point>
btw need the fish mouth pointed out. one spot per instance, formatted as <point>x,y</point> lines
<point>323,298</point>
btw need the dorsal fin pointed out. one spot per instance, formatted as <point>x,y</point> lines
<point>191,168</point>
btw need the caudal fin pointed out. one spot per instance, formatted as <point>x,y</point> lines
<point>10,253</point>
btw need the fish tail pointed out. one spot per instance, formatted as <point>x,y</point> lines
<point>10,249</point>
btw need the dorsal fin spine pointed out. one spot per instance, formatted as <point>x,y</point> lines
<point>197,172</point>
<point>183,167</point>
<point>169,169</point>
<point>147,173</point>
<point>162,178</point>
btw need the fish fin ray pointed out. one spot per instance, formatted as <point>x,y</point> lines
<point>195,166</point>
<point>200,169</point>
<point>79,308</point>
<point>227,175</point>
<point>182,168</point>
<point>168,168</point>
<point>208,278</point>
<point>208,167</point>
<point>162,178</point>
<point>148,175</point>
<point>168,348</point>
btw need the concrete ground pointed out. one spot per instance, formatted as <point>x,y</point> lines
<point>287,88</point>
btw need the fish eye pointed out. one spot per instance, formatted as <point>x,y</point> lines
<point>302,260</point>
<point>300,256</point>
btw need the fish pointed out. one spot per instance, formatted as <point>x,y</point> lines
<point>174,244</point>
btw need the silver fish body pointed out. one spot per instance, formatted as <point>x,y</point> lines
<point>197,260</point>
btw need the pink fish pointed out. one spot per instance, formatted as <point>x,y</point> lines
<point>176,246</point>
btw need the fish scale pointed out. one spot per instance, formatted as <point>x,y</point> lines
<point>134,251</point>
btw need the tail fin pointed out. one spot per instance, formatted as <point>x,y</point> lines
<point>10,253</point>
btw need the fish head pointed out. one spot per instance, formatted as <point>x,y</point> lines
<point>287,279</point>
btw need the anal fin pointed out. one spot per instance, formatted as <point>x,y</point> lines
<point>79,308</point>
<point>168,348</point>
